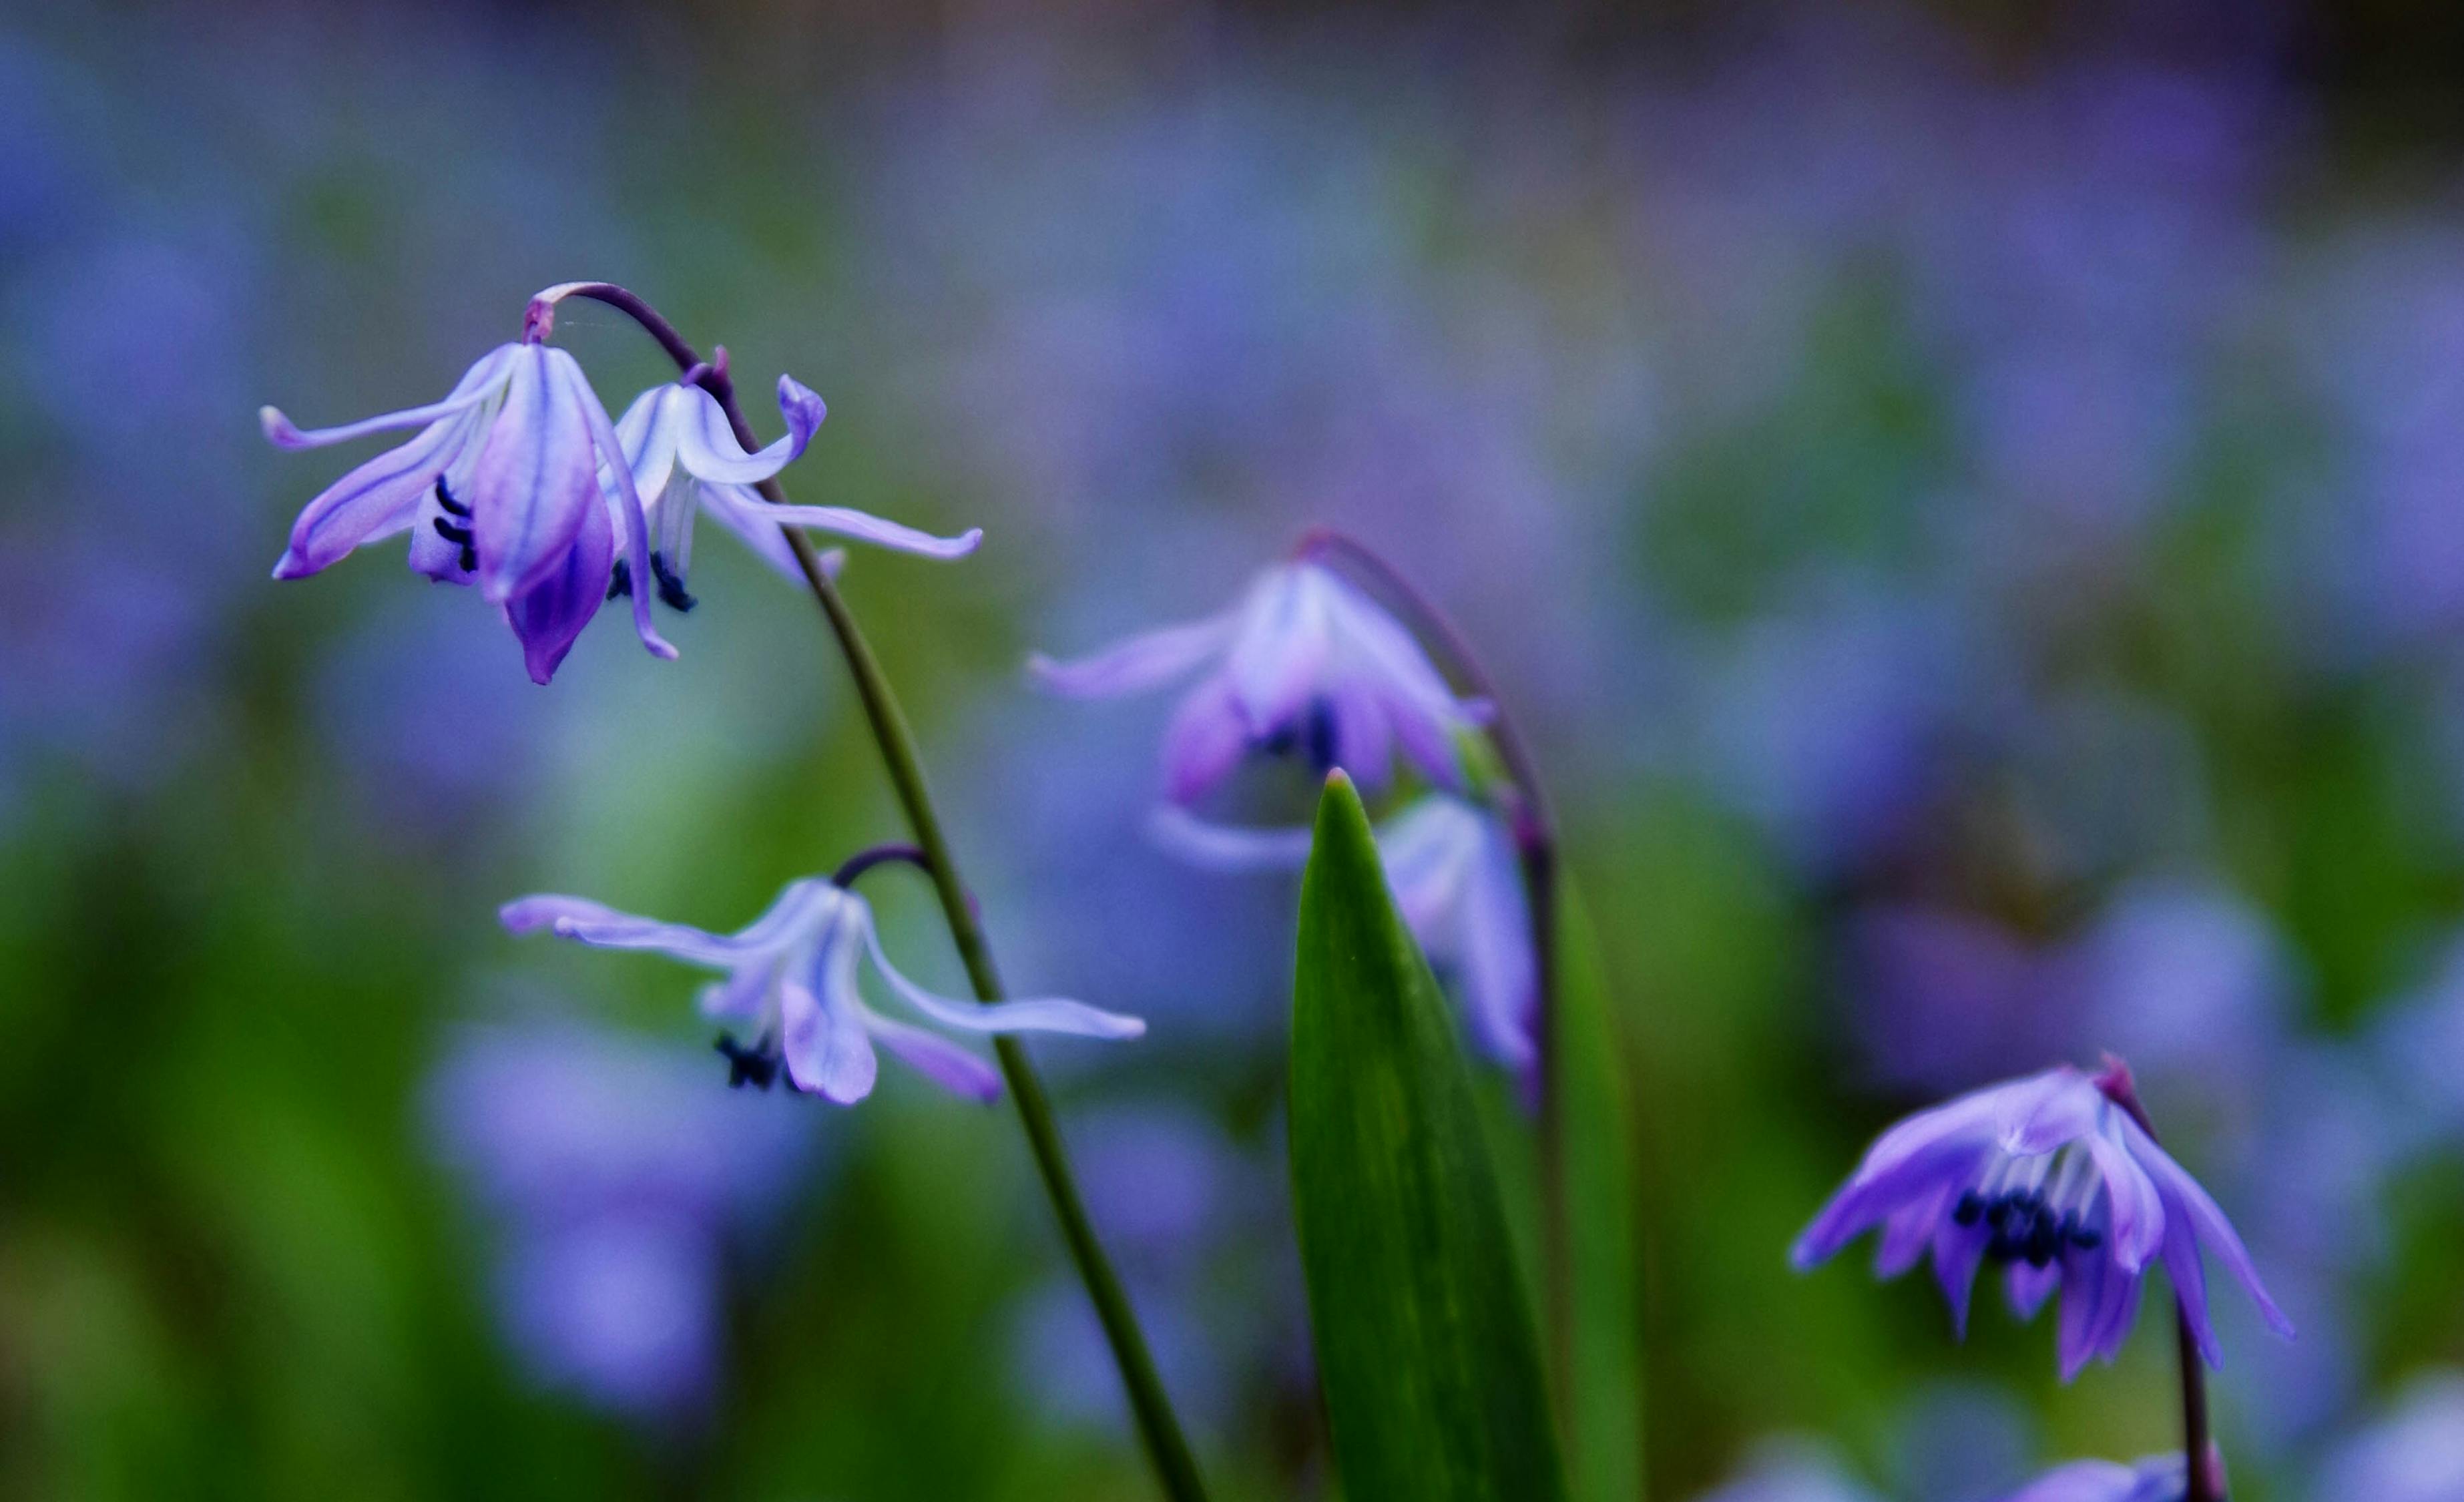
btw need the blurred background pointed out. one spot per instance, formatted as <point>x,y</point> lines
<point>1968,499</point>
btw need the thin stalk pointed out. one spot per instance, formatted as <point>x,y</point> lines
<point>1535,842</point>
<point>1158,1427</point>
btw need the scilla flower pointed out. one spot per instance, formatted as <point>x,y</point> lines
<point>1306,664</point>
<point>2050,1178</point>
<point>683,458</point>
<point>1457,884</point>
<point>791,982</point>
<point>2158,1478</point>
<point>499,487</point>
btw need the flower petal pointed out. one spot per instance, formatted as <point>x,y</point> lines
<point>2049,1110</point>
<point>373,501</point>
<point>2195,1217</point>
<point>707,446</point>
<point>603,927</point>
<point>476,385</point>
<point>1226,848</point>
<point>1027,1014</point>
<point>647,441</point>
<point>2080,1481</point>
<point>1495,962</point>
<point>1957,1250</point>
<point>535,480</point>
<point>628,501</point>
<point>827,1049</point>
<point>1279,654</point>
<point>1205,739</point>
<point>1147,660</point>
<point>947,1065</point>
<point>550,616</point>
<point>866,527</point>
<point>2137,1228</point>
<point>2028,1285</point>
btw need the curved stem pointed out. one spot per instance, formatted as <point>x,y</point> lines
<point>1535,841</point>
<point>856,864</point>
<point>1158,1427</point>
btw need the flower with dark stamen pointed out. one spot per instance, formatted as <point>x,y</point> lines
<point>501,487</point>
<point>1305,665</point>
<point>791,981</point>
<point>2051,1179</point>
<point>684,458</point>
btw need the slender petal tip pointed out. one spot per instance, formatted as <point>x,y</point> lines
<point>803,407</point>
<point>291,565</point>
<point>279,430</point>
<point>529,915</point>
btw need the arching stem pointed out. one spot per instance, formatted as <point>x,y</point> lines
<point>1158,1425</point>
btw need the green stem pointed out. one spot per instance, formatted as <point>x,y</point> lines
<point>1158,1427</point>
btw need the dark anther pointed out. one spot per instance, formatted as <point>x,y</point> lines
<point>2086,1238</point>
<point>1320,731</point>
<point>449,532</point>
<point>459,536</point>
<point>757,1066</point>
<point>1969,1210</point>
<point>445,498</point>
<point>620,583</point>
<point>671,586</point>
<point>469,559</point>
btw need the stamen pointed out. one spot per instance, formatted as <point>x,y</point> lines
<point>757,1066</point>
<point>620,581</point>
<point>448,531</point>
<point>671,586</point>
<point>445,498</point>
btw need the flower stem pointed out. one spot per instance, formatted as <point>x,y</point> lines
<point>1158,1427</point>
<point>1535,842</point>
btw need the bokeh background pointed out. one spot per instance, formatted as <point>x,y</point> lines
<point>1969,500</point>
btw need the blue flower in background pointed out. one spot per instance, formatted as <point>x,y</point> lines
<point>1457,884</point>
<point>2050,1178</point>
<point>621,1183</point>
<point>792,982</point>
<point>2415,1453</point>
<point>1792,1471</point>
<point>2158,1478</point>
<point>501,487</point>
<point>1304,663</point>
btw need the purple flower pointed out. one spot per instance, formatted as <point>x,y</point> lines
<point>1307,663</point>
<point>499,487</point>
<point>2158,1478</point>
<point>684,458</point>
<point>2415,1454</point>
<point>1457,881</point>
<point>792,980</point>
<point>2051,1179</point>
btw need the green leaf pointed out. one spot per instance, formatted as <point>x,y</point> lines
<point>1424,1341</point>
<point>1604,1404</point>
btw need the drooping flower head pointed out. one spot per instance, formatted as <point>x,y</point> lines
<point>792,985</point>
<point>2052,1178</point>
<point>683,458</point>
<point>2157,1478</point>
<point>1305,664</point>
<point>1452,866</point>
<point>501,487</point>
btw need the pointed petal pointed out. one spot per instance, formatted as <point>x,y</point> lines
<point>947,1065</point>
<point>648,442</point>
<point>628,501</point>
<point>1870,1196</point>
<point>1957,1250</point>
<point>1416,706</point>
<point>535,480</point>
<point>1027,1014</point>
<point>1498,969</point>
<point>1148,660</point>
<point>2137,1228</point>
<point>375,500</point>
<point>827,1049</point>
<point>1278,658</point>
<point>2194,1215</point>
<point>603,927</point>
<point>475,387</point>
<point>2027,1287</point>
<point>706,444</point>
<point>550,617</point>
<point>1908,1232</point>
<point>1205,739</point>
<point>2056,1107</point>
<point>1226,848</point>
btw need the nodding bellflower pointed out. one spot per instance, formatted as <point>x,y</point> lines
<point>791,981</point>
<point>1306,663</point>
<point>501,487</point>
<point>2157,1478</point>
<point>683,458</point>
<point>2051,1178</point>
<point>1458,882</point>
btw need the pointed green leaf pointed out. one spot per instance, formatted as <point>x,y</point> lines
<point>1425,1347</point>
<point>1605,1405</point>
